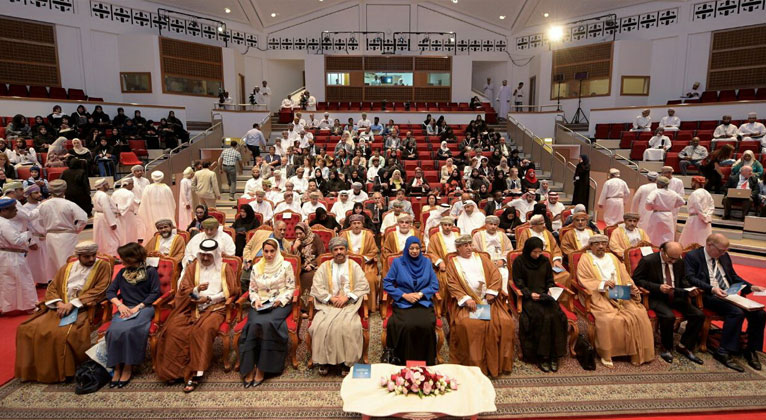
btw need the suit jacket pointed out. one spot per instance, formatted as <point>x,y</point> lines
<point>491,207</point>
<point>648,274</point>
<point>270,158</point>
<point>205,183</point>
<point>752,183</point>
<point>371,208</point>
<point>698,275</point>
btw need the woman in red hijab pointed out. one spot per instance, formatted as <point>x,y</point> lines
<point>530,180</point>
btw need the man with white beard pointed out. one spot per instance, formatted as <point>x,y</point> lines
<point>127,206</point>
<point>106,223</point>
<point>261,206</point>
<point>639,199</point>
<point>62,221</point>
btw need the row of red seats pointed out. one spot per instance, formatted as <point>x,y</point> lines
<point>490,116</point>
<point>638,146</point>
<point>52,92</point>
<point>729,95</point>
<point>628,137</point>
<point>615,130</point>
<point>672,160</point>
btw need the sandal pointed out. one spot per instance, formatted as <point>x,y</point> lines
<point>323,370</point>
<point>191,385</point>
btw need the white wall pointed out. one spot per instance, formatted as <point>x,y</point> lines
<point>284,77</point>
<point>480,70</point>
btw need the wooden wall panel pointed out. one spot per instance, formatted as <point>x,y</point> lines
<point>737,59</point>
<point>344,94</point>
<point>440,64</point>
<point>343,63</point>
<point>29,55</point>
<point>383,63</point>
<point>386,93</point>
<point>433,94</point>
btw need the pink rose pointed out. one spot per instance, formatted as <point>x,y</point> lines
<point>383,381</point>
<point>390,386</point>
<point>414,388</point>
<point>408,375</point>
<point>399,381</point>
<point>453,385</point>
<point>427,388</point>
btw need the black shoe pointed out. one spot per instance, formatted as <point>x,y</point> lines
<point>554,365</point>
<point>666,356</point>
<point>689,355</point>
<point>113,384</point>
<point>123,384</point>
<point>545,366</point>
<point>728,361</point>
<point>752,360</point>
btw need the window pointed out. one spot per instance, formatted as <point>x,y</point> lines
<point>438,79</point>
<point>591,63</point>
<point>29,54</point>
<point>136,82</point>
<point>338,79</point>
<point>736,59</point>
<point>634,86</point>
<point>387,79</point>
<point>189,68</point>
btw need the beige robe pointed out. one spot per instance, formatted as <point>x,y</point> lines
<point>622,327</point>
<point>619,241</point>
<point>570,244</point>
<point>177,247</point>
<point>48,353</point>
<point>369,251</point>
<point>336,333</point>
<point>551,247</point>
<point>391,245</point>
<point>437,251</point>
<point>480,240</point>
<point>474,342</point>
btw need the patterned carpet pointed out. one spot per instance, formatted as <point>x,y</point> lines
<point>656,387</point>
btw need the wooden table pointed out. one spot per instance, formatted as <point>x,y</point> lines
<point>475,394</point>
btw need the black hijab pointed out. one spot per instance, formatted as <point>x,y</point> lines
<point>246,223</point>
<point>526,255</point>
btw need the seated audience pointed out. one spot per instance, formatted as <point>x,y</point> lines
<point>556,208</point>
<point>726,130</point>
<point>537,230</point>
<point>473,280</point>
<point>185,341</point>
<point>309,247</point>
<point>440,245</point>
<point>752,129</point>
<point>693,154</point>
<point>745,180</point>
<point>626,235</point>
<point>338,292</point>
<point>393,242</point>
<point>748,159</point>
<point>524,204</point>
<point>418,185</point>
<point>658,145</point>
<point>642,122</point>
<point>577,238</point>
<point>470,218</point>
<point>711,168</point>
<point>622,326</point>
<point>245,222</point>
<point>211,229</point>
<point>361,241</point>
<point>166,241</point>
<point>496,244</point>
<point>542,324</point>
<point>670,122</point>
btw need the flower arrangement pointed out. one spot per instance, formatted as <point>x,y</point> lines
<point>418,381</point>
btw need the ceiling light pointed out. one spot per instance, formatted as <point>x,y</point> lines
<point>273,15</point>
<point>555,33</point>
<point>502,17</point>
<point>227,10</point>
<point>545,14</point>
<point>220,28</point>
<point>454,1</point>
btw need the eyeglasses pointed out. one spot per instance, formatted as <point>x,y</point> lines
<point>719,249</point>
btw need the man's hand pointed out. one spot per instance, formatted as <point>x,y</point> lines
<point>63,309</point>
<point>276,304</point>
<point>257,304</point>
<point>558,264</point>
<point>695,292</point>
<point>499,263</point>
<point>718,292</point>
<point>442,267</point>
<point>665,288</point>
<point>247,265</point>
<point>490,298</point>
<point>757,288</point>
<point>535,296</point>
<point>609,284</point>
<point>341,300</point>
<point>202,287</point>
<point>634,290</point>
<point>470,304</point>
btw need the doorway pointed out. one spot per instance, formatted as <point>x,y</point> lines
<point>532,93</point>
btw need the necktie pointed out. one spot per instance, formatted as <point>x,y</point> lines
<point>719,276</point>
<point>743,185</point>
<point>668,277</point>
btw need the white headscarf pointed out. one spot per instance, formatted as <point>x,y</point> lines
<point>262,267</point>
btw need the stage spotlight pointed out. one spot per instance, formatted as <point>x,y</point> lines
<point>555,33</point>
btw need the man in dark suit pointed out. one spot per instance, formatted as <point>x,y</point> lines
<point>377,209</point>
<point>273,159</point>
<point>663,274</point>
<point>744,180</point>
<point>710,269</point>
<point>496,203</point>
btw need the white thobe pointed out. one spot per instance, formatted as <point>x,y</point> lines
<point>157,203</point>
<point>78,275</point>
<point>725,132</point>
<point>127,205</point>
<point>677,185</point>
<point>325,124</point>
<point>185,214</point>
<point>662,226</point>
<point>265,93</point>
<point>504,101</point>
<point>614,197</point>
<point>401,239</point>
<point>225,244</point>
<point>473,274</point>
<point>105,215</point>
<point>39,264</point>
<point>698,224</point>
<point>17,288</point>
<point>307,208</point>
<point>657,147</point>
<point>287,103</point>
<point>641,123</point>
<point>467,223</point>
<point>670,123</point>
<point>495,250</point>
<point>62,221</point>
<point>295,206</point>
<point>264,208</point>
<point>364,123</point>
<point>299,184</point>
<point>340,208</point>
<point>639,203</point>
<point>389,220</point>
<point>489,93</point>
<point>555,210</point>
<point>166,243</point>
<point>138,187</point>
<point>311,104</point>
<point>523,207</point>
<point>358,198</point>
<point>251,186</point>
<point>752,131</point>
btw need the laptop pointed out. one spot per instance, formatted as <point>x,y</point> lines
<point>738,193</point>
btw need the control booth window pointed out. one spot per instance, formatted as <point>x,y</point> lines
<point>190,68</point>
<point>387,79</point>
<point>338,79</point>
<point>634,86</point>
<point>582,71</point>
<point>438,79</point>
<point>140,82</point>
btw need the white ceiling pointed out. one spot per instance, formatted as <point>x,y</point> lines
<point>519,14</point>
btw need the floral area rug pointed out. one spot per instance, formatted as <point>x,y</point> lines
<point>656,387</point>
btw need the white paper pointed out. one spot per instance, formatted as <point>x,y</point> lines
<point>153,262</point>
<point>689,289</point>
<point>761,293</point>
<point>555,292</point>
<point>744,302</point>
<point>646,250</point>
<point>287,216</point>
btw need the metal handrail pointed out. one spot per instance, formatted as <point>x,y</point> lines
<point>182,145</point>
<point>630,162</point>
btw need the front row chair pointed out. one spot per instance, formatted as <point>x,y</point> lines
<point>98,313</point>
<point>293,320</point>
<point>566,305</point>
<point>364,312</point>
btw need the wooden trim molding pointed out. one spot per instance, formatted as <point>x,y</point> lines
<point>677,106</point>
<point>71,101</point>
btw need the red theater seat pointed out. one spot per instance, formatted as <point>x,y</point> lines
<point>38,92</point>
<point>77,94</point>
<point>727,96</point>
<point>637,151</point>
<point>18,90</point>
<point>709,96</point>
<point>746,94</point>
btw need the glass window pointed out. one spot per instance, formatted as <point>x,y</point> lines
<point>136,82</point>
<point>186,86</point>
<point>635,86</point>
<point>387,79</point>
<point>338,79</point>
<point>591,87</point>
<point>438,79</point>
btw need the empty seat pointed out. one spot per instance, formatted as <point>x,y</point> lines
<point>77,94</point>
<point>637,151</point>
<point>678,146</point>
<point>727,96</point>
<point>138,147</point>
<point>3,89</point>
<point>38,92</point>
<point>18,90</point>
<point>746,95</point>
<point>688,125</point>
<point>54,173</point>
<point>627,138</point>
<point>602,131</point>
<point>708,125</point>
<point>684,135</point>
<point>761,94</point>
<point>129,159</point>
<point>705,135</point>
<point>755,146</point>
<point>709,96</point>
<point>57,93</point>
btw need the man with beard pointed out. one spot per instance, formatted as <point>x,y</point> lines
<point>166,241</point>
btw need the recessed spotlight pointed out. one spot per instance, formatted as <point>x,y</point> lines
<point>545,15</point>
<point>220,28</point>
<point>555,33</point>
<point>502,17</point>
<point>227,10</point>
<point>454,1</point>
<point>273,15</point>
